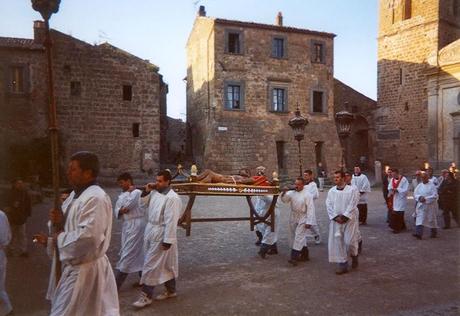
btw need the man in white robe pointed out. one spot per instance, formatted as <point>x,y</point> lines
<point>426,195</point>
<point>163,208</point>
<point>5,238</point>
<point>348,178</point>
<point>129,210</point>
<point>269,238</point>
<point>362,183</point>
<point>312,188</point>
<point>87,284</point>
<point>341,204</point>
<point>301,219</point>
<point>398,187</point>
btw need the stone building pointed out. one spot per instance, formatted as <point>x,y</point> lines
<point>361,144</point>
<point>244,81</point>
<point>108,101</point>
<point>411,119</point>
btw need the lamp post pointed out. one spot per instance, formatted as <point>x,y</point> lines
<point>298,123</point>
<point>46,8</point>
<point>344,120</point>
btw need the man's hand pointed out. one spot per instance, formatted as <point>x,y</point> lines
<point>165,246</point>
<point>338,219</point>
<point>422,199</point>
<point>41,239</point>
<point>56,217</point>
<point>123,211</point>
<point>150,187</point>
<point>307,226</point>
<point>362,193</point>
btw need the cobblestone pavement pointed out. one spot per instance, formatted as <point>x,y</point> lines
<point>221,274</point>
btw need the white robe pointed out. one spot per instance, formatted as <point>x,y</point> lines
<point>261,205</point>
<point>163,212</point>
<point>5,238</point>
<point>426,212</point>
<point>302,213</point>
<point>312,188</point>
<point>132,232</point>
<point>343,238</point>
<point>87,285</point>
<point>400,195</point>
<point>357,195</point>
<point>363,185</point>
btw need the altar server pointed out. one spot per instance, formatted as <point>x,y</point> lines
<point>341,204</point>
<point>301,219</point>
<point>426,195</point>
<point>398,188</point>
<point>362,183</point>
<point>312,188</point>
<point>269,238</point>
<point>163,208</point>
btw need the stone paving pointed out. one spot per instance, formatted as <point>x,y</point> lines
<point>221,274</point>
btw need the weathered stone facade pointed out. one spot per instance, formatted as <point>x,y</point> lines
<point>361,142</point>
<point>409,32</point>
<point>228,131</point>
<point>108,101</point>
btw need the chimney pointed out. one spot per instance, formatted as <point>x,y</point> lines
<point>202,11</point>
<point>279,19</point>
<point>39,32</point>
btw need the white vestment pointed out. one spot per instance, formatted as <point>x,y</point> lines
<point>400,194</point>
<point>426,212</point>
<point>87,285</point>
<point>343,238</point>
<point>132,233</point>
<point>302,213</point>
<point>312,188</point>
<point>163,212</point>
<point>5,238</point>
<point>261,205</point>
<point>363,185</point>
<point>357,195</point>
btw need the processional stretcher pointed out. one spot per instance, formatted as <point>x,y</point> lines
<point>191,188</point>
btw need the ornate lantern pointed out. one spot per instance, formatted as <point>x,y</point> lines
<point>344,120</point>
<point>46,7</point>
<point>298,123</point>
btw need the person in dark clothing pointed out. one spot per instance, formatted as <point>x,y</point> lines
<point>386,177</point>
<point>448,199</point>
<point>18,210</point>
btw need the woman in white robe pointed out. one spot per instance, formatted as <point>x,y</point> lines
<point>5,238</point>
<point>426,196</point>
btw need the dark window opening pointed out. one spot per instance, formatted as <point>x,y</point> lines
<point>233,97</point>
<point>280,154</point>
<point>318,102</point>
<point>318,53</point>
<point>234,45</point>
<point>75,88</point>
<point>407,9</point>
<point>17,79</point>
<point>136,129</point>
<point>127,92</point>
<point>278,48</point>
<point>278,100</point>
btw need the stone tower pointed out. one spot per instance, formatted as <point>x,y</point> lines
<point>409,32</point>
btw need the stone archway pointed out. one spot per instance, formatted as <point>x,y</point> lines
<point>358,145</point>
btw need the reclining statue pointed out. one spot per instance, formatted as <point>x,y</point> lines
<point>243,177</point>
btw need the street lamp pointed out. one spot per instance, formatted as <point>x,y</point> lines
<point>46,8</point>
<point>298,123</point>
<point>344,120</point>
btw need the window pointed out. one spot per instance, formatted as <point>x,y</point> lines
<point>233,96</point>
<point>136,129</point>
<point>407,9</point>
<point>17,82</point>
<point>234,42</point>
<point>318,53</point>
<point>278,50</point>
<point>75,88</point>
<point>281,155</point>
<point>127,92</point>
<point>318,102</point>
<point>278,100</point>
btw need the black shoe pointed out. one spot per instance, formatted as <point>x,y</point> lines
<point>304,255</point>
<point>295,254</point>
<point>273,250</point>
<point>417,236</point>
<point>341,270</point>
<point>360,247</point>
<point>263,250</point>
<point>354,262</point>
<point>259,238</point>
<point>293,262</point>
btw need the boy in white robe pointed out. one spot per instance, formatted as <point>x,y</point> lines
<point>348,178</point>
<point>163,208</point>
<point>5,238</point>
<point>301,219</point>
<point>343,228</point>
<point>426,195</point>
<point>269,238</point>
<point>398,188</point>
<point>87,284</point>
<point>129,210</point>
<point>362,183</point>
<point>312,188</point>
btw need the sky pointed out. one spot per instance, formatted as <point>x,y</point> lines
<point>158,30</point>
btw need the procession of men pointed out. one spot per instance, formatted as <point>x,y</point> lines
<point>88,285</point>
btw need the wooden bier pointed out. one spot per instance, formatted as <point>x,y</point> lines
<point>194,189</point>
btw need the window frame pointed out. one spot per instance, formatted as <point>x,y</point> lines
<point>270,105</point>
<point>313,52</point>
<point>25,78</point>
<point>241,85</point>
<point>284,39</point>
<point>324,103</point>
<point>241,41</point>
<point>123,92</point>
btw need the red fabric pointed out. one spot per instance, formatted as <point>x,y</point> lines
<point>394,185</point>
<point>260,180</point>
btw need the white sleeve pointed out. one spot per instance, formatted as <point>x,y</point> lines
<point>403,186</point>
<point>171,217</point>
<point>353,204</point>
<point>366,185</point>
<point>310,218</point>
<point>330,205</point>
<point>5,232</point>
<point>433,196</point>
<point>286,198</point>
